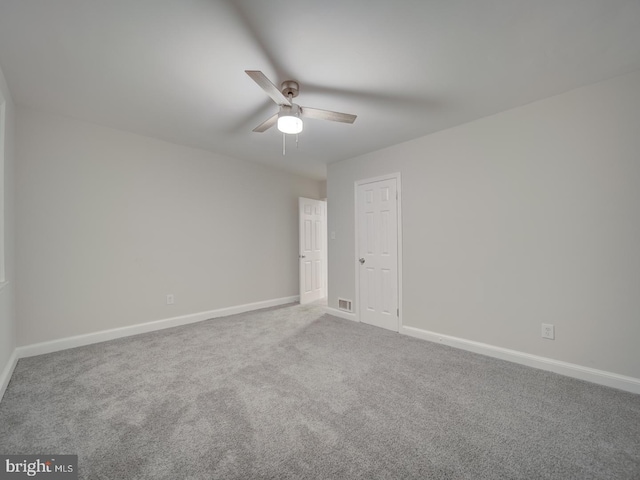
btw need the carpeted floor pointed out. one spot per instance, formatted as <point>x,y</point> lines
<point>293,393</point>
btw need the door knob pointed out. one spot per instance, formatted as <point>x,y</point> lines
<point>302,256</point>
<point>361,261</point>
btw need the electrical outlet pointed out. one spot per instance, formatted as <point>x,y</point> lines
<point>170,299</point>
<point>548,331</point>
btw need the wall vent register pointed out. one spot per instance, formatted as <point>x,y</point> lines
<point>344,305</point>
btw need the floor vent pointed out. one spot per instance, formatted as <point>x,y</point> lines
<point>344,305</point>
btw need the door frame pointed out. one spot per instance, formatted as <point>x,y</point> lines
<point>357,184</point>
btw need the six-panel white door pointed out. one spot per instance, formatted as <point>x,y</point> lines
<point>377,231</point>
<point>312,268</point>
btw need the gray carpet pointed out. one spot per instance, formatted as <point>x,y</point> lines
<point>292,393</point>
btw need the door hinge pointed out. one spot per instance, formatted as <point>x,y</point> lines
<point>398,312</point>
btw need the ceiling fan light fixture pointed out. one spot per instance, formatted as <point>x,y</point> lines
<point>289,120</point>
<point>289,117</point>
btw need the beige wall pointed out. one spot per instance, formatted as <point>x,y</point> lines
<point>7,293</point>
<point>110,222</point>
<point>525,217</point>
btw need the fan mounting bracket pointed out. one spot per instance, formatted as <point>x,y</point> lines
<point>290,87</point>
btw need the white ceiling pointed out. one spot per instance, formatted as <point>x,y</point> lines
<point>175,69</point>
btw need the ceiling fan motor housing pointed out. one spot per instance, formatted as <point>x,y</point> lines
<point>290,87</point>
<point>290,111</point>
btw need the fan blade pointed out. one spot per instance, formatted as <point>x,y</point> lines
<point>269,88</point>
<point>267,124</point>
<point>327,115</point>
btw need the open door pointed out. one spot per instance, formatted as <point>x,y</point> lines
<point>312,250</point>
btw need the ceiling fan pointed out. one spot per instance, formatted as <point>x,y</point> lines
<point>289,117</point>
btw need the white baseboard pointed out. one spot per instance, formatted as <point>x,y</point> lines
<point>342,314</point>
<point>104,335</point>
<point>5,376</point>
<point>600,377</point>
